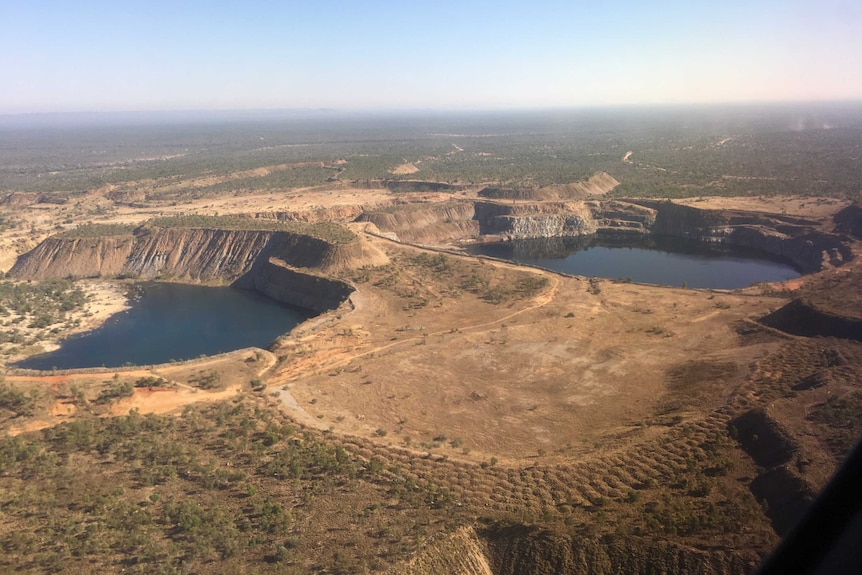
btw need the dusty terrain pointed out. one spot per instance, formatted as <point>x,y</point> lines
<point>534,397</point>
<point>566,369</point>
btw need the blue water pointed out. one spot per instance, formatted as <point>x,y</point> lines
<point>656,260</point>
<point>172,322</point>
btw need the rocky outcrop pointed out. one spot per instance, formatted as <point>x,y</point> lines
<point>426,223</point>
<point>461,553</point>
<point>76,257</point>
<point>849,221</point>
<point>408,185</point>
<point>274,278</point>
<point>20,199</point>
<point>794,239</point>
<point>535,220</point>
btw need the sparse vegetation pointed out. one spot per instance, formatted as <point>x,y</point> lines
<point>90,230</point>
<point>460,392</point>
<point>326,231</point>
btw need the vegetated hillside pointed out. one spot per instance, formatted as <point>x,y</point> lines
<point>237,486</point>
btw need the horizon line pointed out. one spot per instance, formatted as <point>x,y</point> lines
<point>433,110</point>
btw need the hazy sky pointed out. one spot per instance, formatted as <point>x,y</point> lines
<point>80,55</point>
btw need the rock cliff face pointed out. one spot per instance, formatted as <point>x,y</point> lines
<point>792,238</point>
<point>563,219</point>
<point>617,217</point>
<point>77,257</point>
<point>274,278</point>
<point>535,220</point>
<point>242,257</point>
<point>849,221</point>
<point>196,255</point>
<point>427,223</point>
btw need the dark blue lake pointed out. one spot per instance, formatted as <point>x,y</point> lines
<point>175,321</point>
<point>655,260</point>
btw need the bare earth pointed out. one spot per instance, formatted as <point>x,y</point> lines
<point>564,370</point>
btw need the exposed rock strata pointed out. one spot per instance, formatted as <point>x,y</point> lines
<point>792,238</point>
<point>228,256</point>
<point>78,257</point>
<point>334,214</point>
<point>274,278</point>
<point>535,220</point>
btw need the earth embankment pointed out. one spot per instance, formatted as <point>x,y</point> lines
<point>427,223</point>
<point>520,549</point>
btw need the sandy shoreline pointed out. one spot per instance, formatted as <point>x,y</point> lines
<point>104,299</point>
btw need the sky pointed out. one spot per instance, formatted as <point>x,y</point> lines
<point>84,55</point>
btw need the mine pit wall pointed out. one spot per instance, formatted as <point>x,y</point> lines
<point>76,257</point>
<point>792,239</point>
<point>194,254</point>
<point>276,280</point>
<point>542,220</point>
<point>335,214</point>
<point>240,257</point>
<point>427,223</point>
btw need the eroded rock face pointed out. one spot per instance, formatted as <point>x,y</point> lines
<point>76,257</point>
<point>195,254</point>
<point>535,220</point>
<point>795,239</point>
<point>241,257</point>
<point>275,279</point>
<point>849,221</point>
